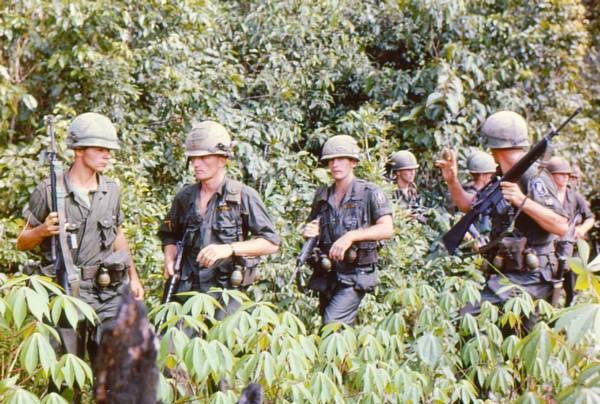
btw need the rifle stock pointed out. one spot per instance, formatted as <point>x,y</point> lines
<point>491,197</point>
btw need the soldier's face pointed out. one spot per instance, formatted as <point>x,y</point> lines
<point>207,167</point>
<point>94,158</point>
<point>341,167</point>
<point>561,179</point>
<point>406,176</point>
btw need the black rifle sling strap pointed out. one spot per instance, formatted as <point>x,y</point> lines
<point>61,193</point>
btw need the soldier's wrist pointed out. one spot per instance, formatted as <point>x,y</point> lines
<point>232,250</point>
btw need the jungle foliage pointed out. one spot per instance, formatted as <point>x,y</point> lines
<point>283,76</point>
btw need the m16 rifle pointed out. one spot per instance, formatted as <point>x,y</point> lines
<point>172,283</point>
<point>56,255</point>
<point>491,197</point>
<point>307,250</point>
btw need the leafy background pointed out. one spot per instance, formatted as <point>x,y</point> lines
<point>283,77</point>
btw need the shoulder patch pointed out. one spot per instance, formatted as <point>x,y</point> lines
<point>379,196</point>
<point>539,187</point>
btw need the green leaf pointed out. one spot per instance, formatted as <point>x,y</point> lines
<point>30,101</point>
<point>537,345</point>
<point>21,396</point>
<point>429,349</point>
<point>6,384</point>
<point>579,320</point>
<point>54,398</point>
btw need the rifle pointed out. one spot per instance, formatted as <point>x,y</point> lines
<point>491,197</point>
<point>307,250</point>
<point>55,245</point>
<point>173,282</point>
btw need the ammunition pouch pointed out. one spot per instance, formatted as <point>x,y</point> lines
<point>367,253</point>
<point>116,266</point>
<point>366,279</point>
<point>249,268</point>
<point>511,254</point>
<point>36,268</point>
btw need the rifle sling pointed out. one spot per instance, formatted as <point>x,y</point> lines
<point>72,271</point>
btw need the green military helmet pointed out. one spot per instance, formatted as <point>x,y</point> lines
<point>480,162</point>
<point>558,165</point>
<point>340,146</point>
<point>576,173</point>
<point>92,130</point>
<point>404,160</point>
<point>505,130</point>
<point>206,138</point>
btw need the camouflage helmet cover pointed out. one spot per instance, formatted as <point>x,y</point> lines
<point>340,146</point>
<point>558,165</point>
<point>404,160</point>
<point>505,130</point>
<point>92,130</point>
<point>208,138</point>
<point>480,162</point>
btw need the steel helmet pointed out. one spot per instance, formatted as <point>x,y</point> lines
<point>341,146</point>
<point>479,162</point>
<point>208,138</point>
<point>92,130</point>
<point>404,160</point>
<point>558,165</point>
<point>505,130</point>
<point>576,172</point>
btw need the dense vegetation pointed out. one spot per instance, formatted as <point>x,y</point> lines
<point>283,76</point>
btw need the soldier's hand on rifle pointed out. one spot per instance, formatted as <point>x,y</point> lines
<point>50,226</point>
<point>170,254</point>
<point>210,254</point>
<point>311,229</point>
<point>512,193</point>
<point>448,165</point>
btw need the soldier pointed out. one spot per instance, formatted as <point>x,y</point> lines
<point>575,176</point>
<point>482,167</point>
<point>407,195</point>
<point>353,216</point>
<point>94,218</point>
<point>581,220</point>
<point>223,223</point>
<point>535,213</point>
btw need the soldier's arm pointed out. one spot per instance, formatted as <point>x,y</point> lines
<point>121,244</point>
<point>461,198</point>
<point>582,230</point>
<point>383,229</point>
<point>32,237</point>
<point>548,219</point>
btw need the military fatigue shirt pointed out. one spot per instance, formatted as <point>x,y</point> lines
<point>542,189</point>
<point>407,199</point>
<point>95,229</point>
<point>234,212</point>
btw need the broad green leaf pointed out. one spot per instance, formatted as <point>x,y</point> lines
<point>54,398</point>
<point>429,349</point>
<point>529,398</point>
<point>6,384</point>
<point>21,396</point>
<point>580,320</point>
<point>537,345</point>
<point>584,250</point>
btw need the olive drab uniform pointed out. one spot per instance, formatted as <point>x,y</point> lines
<point>343,287</point>
<point>234,212</point>
<point>577,209</point>
<point>409,199</point>
<point>510,254</point>
<point>91,233</point>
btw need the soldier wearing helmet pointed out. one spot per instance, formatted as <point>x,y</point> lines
<point>406,195</point>
<point>581,219</point>
<point>223,223</point>
<point>535,216</point>
<point>349,217</point>
<point>92,235</point>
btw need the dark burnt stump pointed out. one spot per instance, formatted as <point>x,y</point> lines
<point>126,369</point>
